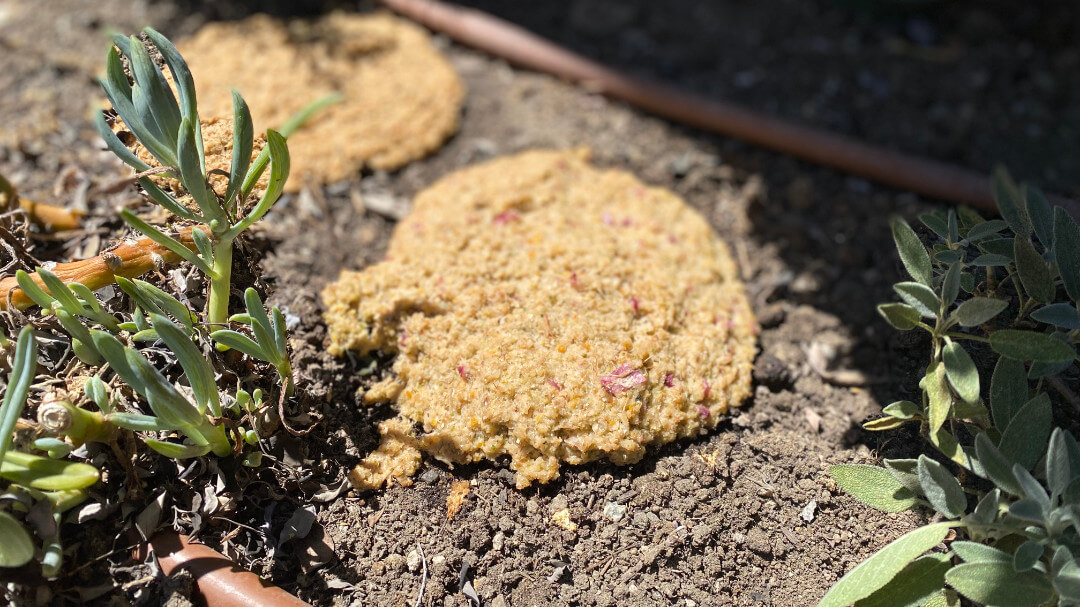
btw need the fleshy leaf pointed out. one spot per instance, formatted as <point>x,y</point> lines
<point>46,474</point>
<point>23,369</point>
<point>16,547</point>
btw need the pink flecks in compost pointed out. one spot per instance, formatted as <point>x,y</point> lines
<point>623,378</point>
<point>669,380</point>
<point>635,305</point>
<point>703,411</point>
<point>707,388</point>
<point>554,384</point>
<point>463,372</point>
<point>506,217</point>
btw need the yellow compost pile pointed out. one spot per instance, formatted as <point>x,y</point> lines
<point>550,311</point>
<point>401,98</point>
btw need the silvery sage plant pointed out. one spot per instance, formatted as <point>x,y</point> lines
<point>1011,287</point>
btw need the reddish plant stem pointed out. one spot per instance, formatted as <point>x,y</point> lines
<point>129,259</point>
<point>523,48</point>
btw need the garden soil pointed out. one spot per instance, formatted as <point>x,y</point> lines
<point>745,515</point>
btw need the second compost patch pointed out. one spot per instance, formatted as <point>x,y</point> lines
<point>401,99</point>
<point>544,309</point>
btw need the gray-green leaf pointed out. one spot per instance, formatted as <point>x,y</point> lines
<point>900,316</point>
<point>978,310</point>
<point>1007,195</point>
<point>912,252</point>
<point>940,488</point>
<point>995,466</point>
<point>1025,443</point>
<point>1029,345</point>
<point>877,571</point>
<point>902,409</point>
<point>999,584</point>
<point>985,230</point>
<point>1067,251</point>
<point>961,371</point>
<point>873,486</point>
<point>1059,471</point>
<point>914,584</point>
<point>991,259</point>
<point>1008,391</point>
<point>1027,555</point>
<point>920,297</point>
<point>1062,315</point>
<point>950,285</point>
<point>1041,215</point>
<point>1034,272</point>
<point>198,370</point>
<point>974,552</point>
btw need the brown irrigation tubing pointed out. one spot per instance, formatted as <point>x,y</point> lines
<point>523,48</point>
<point>221,582</point>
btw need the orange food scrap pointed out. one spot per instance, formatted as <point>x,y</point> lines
<point>454,501</point>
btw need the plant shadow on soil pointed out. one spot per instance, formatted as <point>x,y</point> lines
<point>747,514</point>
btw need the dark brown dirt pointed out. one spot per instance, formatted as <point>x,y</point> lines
<point>713,521</point>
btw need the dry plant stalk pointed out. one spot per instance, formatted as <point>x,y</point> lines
<point>47,216</point>
<point>129,259</point>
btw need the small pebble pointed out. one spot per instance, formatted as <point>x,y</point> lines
<point>614,512</point>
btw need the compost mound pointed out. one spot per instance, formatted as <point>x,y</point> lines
<point>401,98</point>
<point>549,311</point>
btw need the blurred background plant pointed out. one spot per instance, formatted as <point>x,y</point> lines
<point>1011,284</point>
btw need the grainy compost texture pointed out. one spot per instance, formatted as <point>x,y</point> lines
<point>401,97</point>
<point>552,312</point>
<point>746,516</point>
